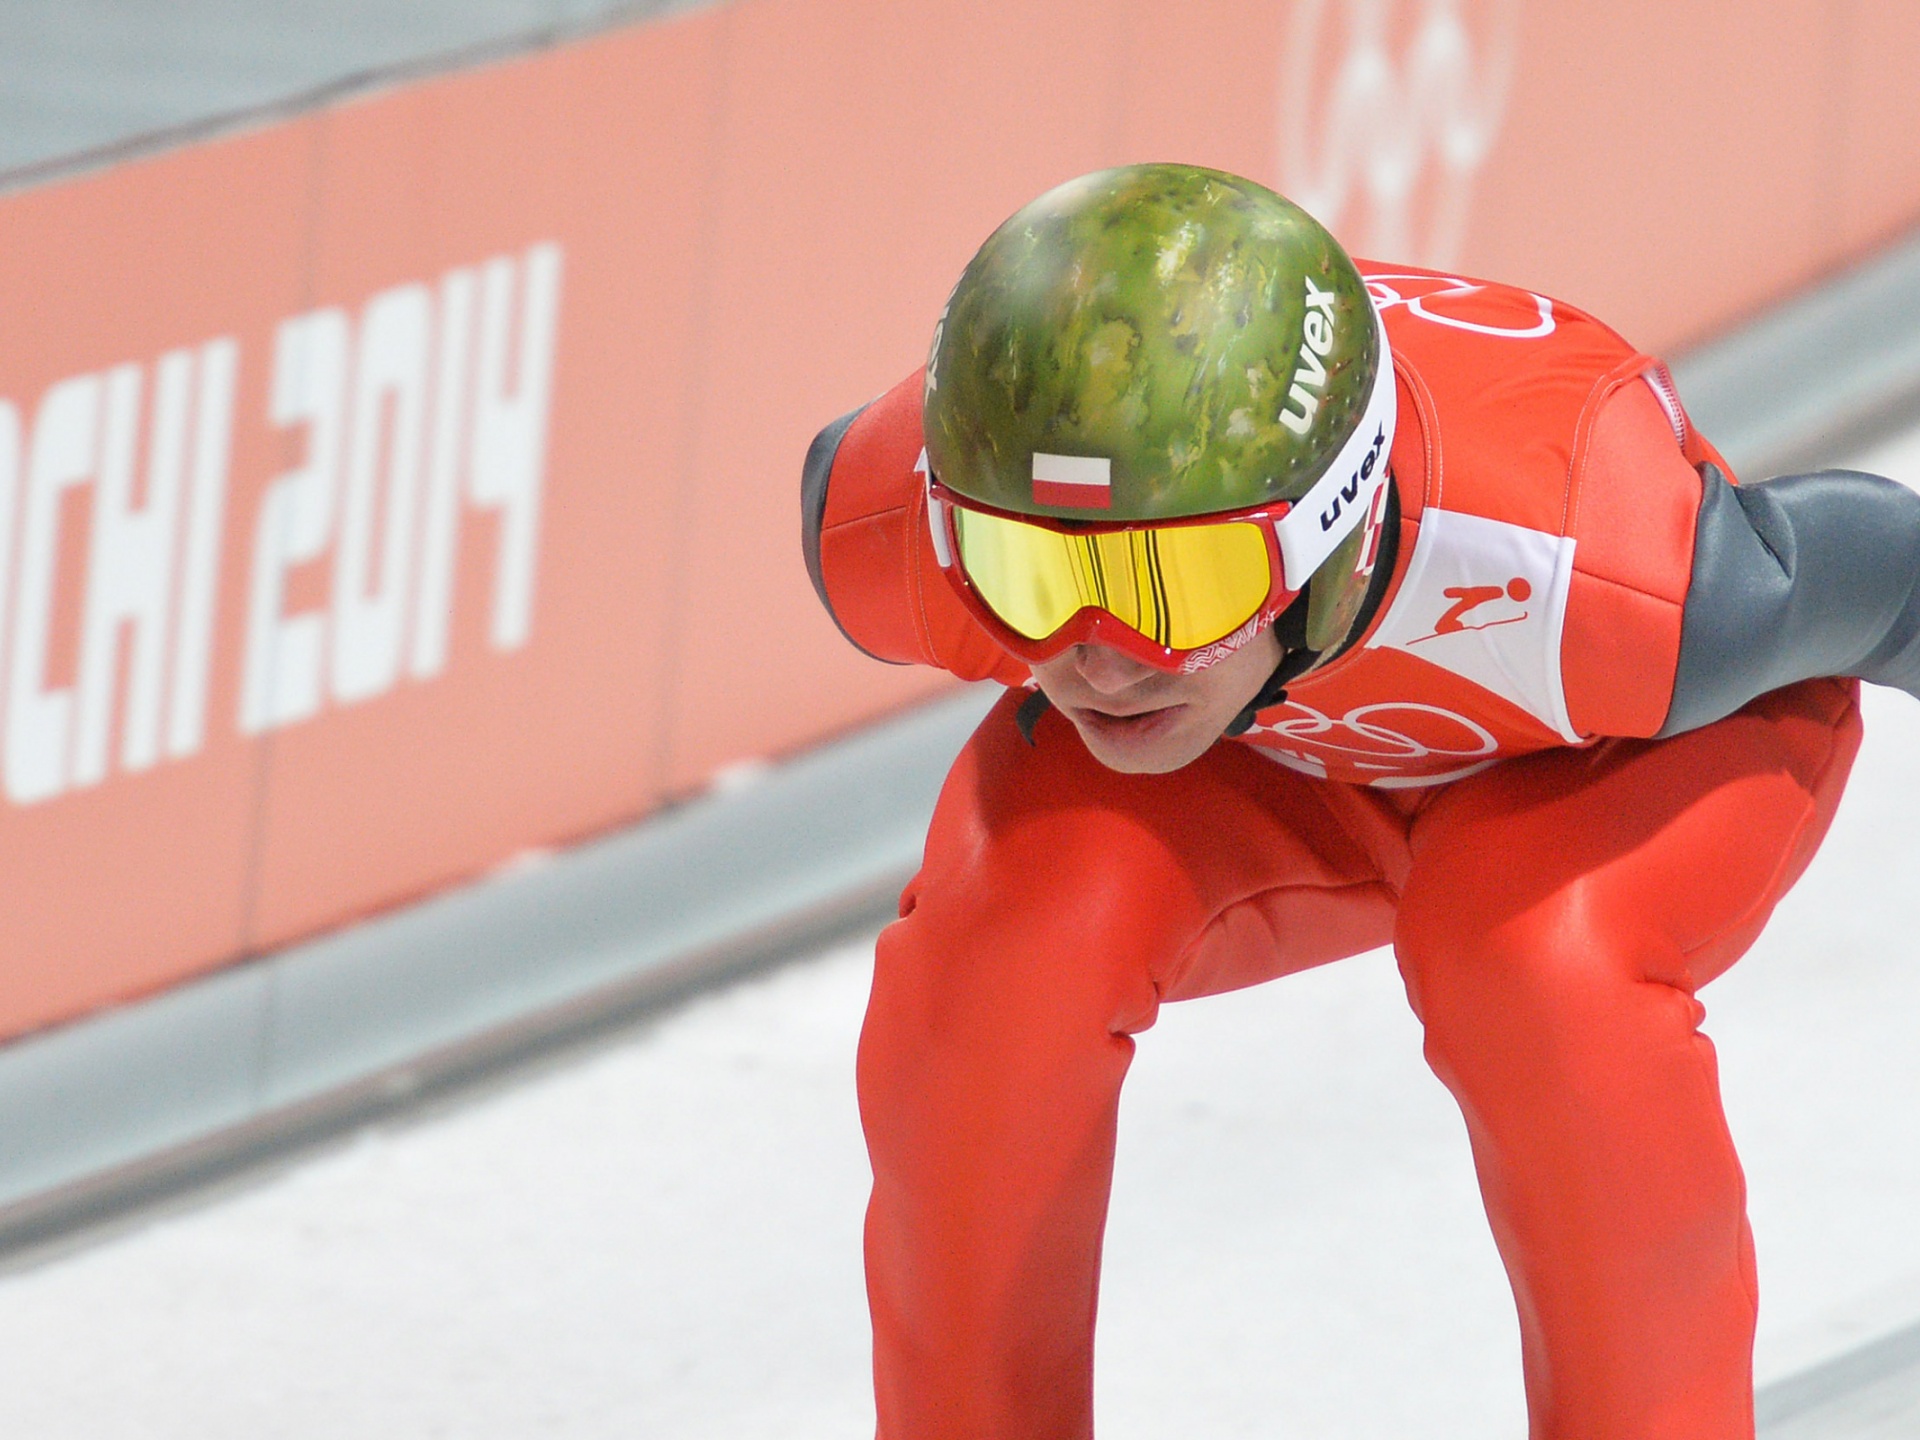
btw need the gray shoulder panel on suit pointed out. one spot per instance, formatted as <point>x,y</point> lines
<point>1796,577</point>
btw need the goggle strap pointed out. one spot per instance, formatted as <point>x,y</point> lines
<point>1290,625</point>
<point>937,524</point>
<point>1290,629</point>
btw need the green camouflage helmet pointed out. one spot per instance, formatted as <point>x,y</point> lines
<point>1203,341</point>
<point>1159,316</point>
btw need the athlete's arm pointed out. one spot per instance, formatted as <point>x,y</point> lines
<point>1793,578</point>
<point>863,517</point>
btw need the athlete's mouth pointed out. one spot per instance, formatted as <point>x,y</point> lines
<point>1130,722</point>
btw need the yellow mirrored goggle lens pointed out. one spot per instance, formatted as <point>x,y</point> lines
<point>1181,586</point>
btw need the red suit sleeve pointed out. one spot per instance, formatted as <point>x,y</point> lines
<point>864,527</point>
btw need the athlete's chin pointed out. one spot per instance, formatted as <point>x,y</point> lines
<point>1131,764</point>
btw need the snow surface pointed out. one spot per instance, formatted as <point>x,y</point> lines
<point>660,1237</point>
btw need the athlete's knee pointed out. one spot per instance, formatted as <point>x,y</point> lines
<point>1017,895</point>
<point>1560,978</point>
<point>987,1015</point>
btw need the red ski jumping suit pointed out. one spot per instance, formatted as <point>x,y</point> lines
<point>1475,780</point>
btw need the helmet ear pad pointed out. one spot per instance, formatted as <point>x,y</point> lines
<point>1294,626</point>
<point>1336,592</point>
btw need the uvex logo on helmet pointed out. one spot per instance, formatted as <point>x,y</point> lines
<point>1317,332</point>
<point>1343,497</point>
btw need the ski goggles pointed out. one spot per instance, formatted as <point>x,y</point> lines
<point>1177,595</point>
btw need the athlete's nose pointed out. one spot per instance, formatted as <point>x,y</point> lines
<point>1107,670</point>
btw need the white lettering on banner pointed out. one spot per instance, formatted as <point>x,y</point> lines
<point>389,399</point>
<point>452,381</point>
<point>63,454</point>
<point>280,681</point>
<point>10,462</point>
<point>1409,132</point>
<point>476,409</point>
<point>510,426</point>
<point>87,432</point>
<point>219,365</point>
<point>429,404</point>
<point>130,570</point>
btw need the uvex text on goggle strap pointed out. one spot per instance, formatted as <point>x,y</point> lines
<point>1177,595</point>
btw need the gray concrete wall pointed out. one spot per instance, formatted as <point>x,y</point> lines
<point>83,76</point>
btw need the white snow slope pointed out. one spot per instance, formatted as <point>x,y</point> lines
<point>660,1238</point>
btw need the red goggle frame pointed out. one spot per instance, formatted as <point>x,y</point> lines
<point>1126,577</point>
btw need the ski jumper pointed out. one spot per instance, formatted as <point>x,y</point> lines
<point>1558,773</point>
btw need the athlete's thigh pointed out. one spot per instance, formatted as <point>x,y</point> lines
<point>1691,839</point>
<point>1058,905</point>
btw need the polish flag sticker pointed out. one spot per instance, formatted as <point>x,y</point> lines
<point>1073,482</point>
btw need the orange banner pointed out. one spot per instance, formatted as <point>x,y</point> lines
<point>392,489</point>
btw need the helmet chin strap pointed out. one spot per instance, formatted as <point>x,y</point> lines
<point>1290,629</point>
<point>1030,711</point>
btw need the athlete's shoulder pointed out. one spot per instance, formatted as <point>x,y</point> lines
<point>1444,305</point>
<point>864,536</point>
<point>1549,492</point>
<point>1502,385</point>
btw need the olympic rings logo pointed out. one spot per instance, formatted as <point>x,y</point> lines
<point>1454,294</point>
<point>1377,123</point>
<point>1454,738</point>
